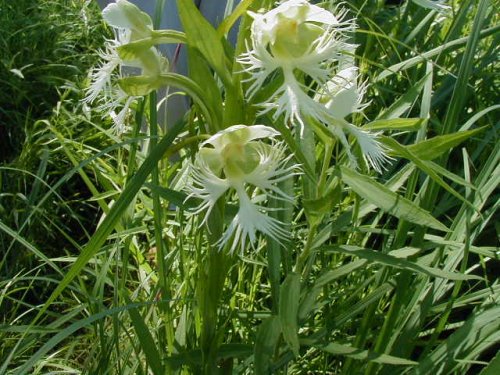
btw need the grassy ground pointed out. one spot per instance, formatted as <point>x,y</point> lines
<point>359,288</point>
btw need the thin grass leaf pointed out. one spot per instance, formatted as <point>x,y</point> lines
<point>452,45</point>
<point>423,165</point>
<point>477,329</point>
<point>29,246</point>
<point>392,261</point>
<point>114,214</point>
<point>438,145</point>
<point>460,90</point>
<point>404,103</point>
<point>67,332</point>
<point>365,355</point>
<point>401,124</point>
<point>146,341</point>
<point>477,116</point>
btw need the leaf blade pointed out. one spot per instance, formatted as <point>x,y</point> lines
<point>388,201</point>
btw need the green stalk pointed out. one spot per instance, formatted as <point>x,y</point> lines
<point>310,191</point>
<point>135,133</point>
<point>212,276</point>
<point>304,256</point>
<point>153,131</point>
<point>161,246</point>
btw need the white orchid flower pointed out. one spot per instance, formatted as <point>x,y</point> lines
<point>344,96</point>
<point>233,159</point>
<point>130,24</point>
<point>295,38</point>
<point>303,40</point>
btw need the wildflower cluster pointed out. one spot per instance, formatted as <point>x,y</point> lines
<point>301,40</point>
<point>303,45</point>
<point>130,24</point>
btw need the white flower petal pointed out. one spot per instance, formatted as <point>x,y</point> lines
<point>242,133</point>
<point>206,186</point>
<point>274,167</point>
<point>248,221</point>
<point>100,76</point>
<point>317,14</point>
<point>125,15</point>
<point>372,150</point>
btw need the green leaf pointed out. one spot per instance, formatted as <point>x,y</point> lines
<point>364,355</point>
<point>392,261</point>
<point>230,20</point>
<point>202,36</point>
<point>146,341</point>
<point>388,201</point>
<point>28,246</point>
<point>402,124</point>
<point>449,175</point>
<point>317,208</point>
<point>480,329</point>
<point>308,301</point>
<point>289,307</point>
<point>404,103</point>
<point>331,275</point>
<point>194,357</point>
<point>461,89</point>
<point>422,57</point>
<point>200,72</point>
<point>175,197</point>
<point>267,338</point>
<point>67,332</point>
<point>493,367</point>
<point>436,146</point>
<point>428,4</point>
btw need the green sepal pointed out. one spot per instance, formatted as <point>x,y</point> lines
<point>139,85</point>
<point>130,50</point>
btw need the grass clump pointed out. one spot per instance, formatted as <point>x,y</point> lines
<point>45,45</point>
